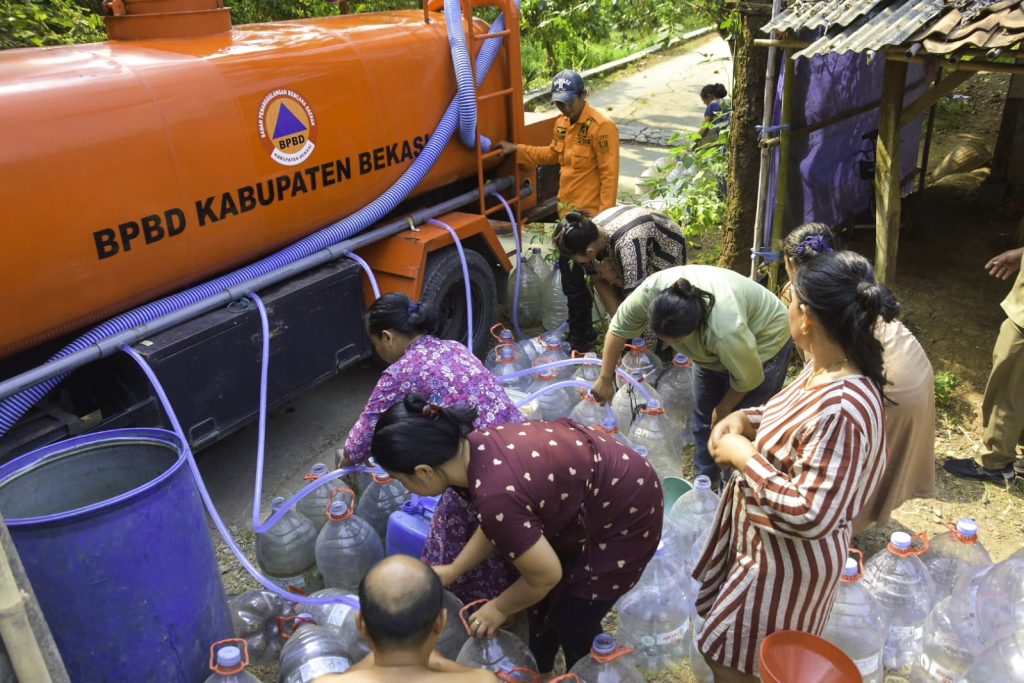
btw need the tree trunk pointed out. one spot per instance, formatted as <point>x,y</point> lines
<point>749,64</point>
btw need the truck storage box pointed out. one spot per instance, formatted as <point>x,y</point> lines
<point>210,366</point>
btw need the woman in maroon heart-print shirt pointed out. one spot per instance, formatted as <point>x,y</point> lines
<point>576,512</point>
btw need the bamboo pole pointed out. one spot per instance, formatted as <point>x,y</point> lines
<point>766,121</point>
<point>782,186</point>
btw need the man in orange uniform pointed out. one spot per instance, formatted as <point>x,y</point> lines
<point>586,145</point>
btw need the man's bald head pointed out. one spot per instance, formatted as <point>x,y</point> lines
<point>400,599</point>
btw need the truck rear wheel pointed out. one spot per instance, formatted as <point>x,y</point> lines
<point>443,289</point>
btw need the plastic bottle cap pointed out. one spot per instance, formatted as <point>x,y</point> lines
<point>590,354</point>
<point>654,404</point>
<point>318,469</point>
<point>647,641</point>
<point>229,656</point>
<point>507,352</point>
<point>276,502</point>
<point>339,507</point>
<point>604,644</point>
<point>681,359</point>
<point>506,335</point>
<point>411,507</point>
<point>609,423</point>
<point>967,526</point>
<point>639,342</point>
<point>702,482</point>
<point>900,539</point>
<point>852,566</point>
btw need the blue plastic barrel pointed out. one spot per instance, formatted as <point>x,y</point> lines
<point>408,527</point>
<point>113,536</point>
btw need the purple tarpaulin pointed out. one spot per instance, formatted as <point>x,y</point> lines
<point>825,184</point>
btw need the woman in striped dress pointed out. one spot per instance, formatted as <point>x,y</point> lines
<point>805,464</point>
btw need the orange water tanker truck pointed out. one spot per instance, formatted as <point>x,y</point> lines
<point>184,150</point>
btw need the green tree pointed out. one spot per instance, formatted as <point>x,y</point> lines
<point>258,11</point>
<point>565,30</point>
<point>36,23</point>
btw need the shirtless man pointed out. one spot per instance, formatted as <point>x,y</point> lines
<point>402,618</point>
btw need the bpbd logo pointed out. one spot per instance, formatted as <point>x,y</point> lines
<point>287,127</point>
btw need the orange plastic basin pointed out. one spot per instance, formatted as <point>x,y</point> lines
<point>797,657</point>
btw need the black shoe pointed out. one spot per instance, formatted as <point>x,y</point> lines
<point>966,468</point>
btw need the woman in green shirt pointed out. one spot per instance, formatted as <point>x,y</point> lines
<point>735,331</point>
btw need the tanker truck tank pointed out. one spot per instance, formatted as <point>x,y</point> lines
<point>136,168</point>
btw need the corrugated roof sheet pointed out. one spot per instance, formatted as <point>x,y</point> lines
<point>941,26</point>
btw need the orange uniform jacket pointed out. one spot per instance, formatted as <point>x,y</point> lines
<point>588,152</point>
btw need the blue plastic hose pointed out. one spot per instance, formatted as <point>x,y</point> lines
<point>465,279</point>
<point>466,94</point>
<point>366,269</point>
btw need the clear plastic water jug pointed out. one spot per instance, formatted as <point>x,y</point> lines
<point>944,656</point>
<point>693,513</point>
<point>606,663</point>
<point>989,604</point>
<point>898,579</point>
<point>588,411</point>
<point>533,348</point>
<point>454,635</point>
<point>554,404</point>
<point>657,607</point>
<point>347,547</point>
<point>286,551</point>
<point>653,430</point>
<point>554,305</point>
<point>586,372</point>
<point>952,555</point>
<point>531,289</point>
<point>340,617</point>
<point>628,400</point>
<point>310,651</point>
<point>676,389</point>
<point>228,659</point>
<point>1003,662</point>
<point>640,356</point>
<point>554,350</point>
<point>698,665</point>
<point>857,624</point>
<point>254,617</point>
<point>503,652</point>
<point>382,497</point>
<point>502,335</point>
<point>508,361</point>
<point>314,505</point>
<point>409,527</point>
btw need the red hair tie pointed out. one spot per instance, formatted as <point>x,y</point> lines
<point>432,411</point>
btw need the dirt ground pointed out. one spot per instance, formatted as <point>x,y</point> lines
<point>952,228</point>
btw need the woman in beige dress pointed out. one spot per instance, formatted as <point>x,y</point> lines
<point>909,418</point>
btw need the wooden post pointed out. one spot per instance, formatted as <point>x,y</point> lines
<point>887,172</point>
<point>930,128</point>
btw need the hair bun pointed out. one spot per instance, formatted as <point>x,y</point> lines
<point>682,287</point>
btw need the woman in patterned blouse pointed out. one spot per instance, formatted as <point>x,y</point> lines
<point>401,332</point>
<point>805,463</point>
<point>578,514</point>
<point>620,247</point>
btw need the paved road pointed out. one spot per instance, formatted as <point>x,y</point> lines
<point>648,105</point>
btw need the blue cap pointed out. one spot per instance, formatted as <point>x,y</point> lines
<point>566,86</point>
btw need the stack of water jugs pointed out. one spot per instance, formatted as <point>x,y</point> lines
<point>309,548</point>
<point>939,610</point>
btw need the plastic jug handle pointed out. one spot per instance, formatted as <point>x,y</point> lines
<point>913,549</point>
<point>860,567</point>
<point>465,608</point>
<point>969,540</point>
<point>293,622</point>
<point>240,642</point>
<point>494,331</point>
<point>510,677</point>
<point>619,651</point>
<point>351,507</point>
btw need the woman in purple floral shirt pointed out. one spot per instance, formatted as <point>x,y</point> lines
<point>401,332</point>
